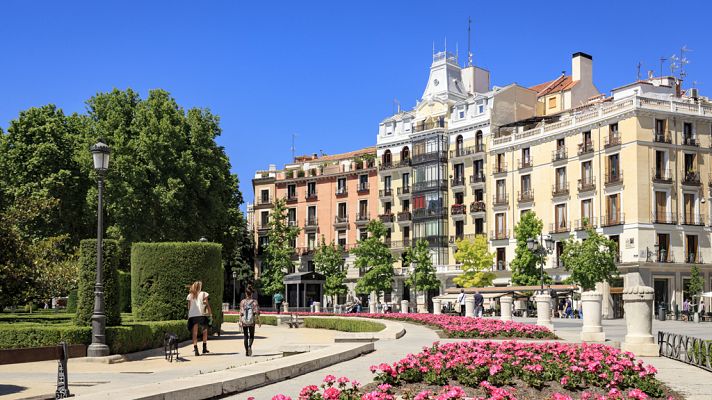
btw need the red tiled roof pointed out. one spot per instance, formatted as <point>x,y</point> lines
<point>557,85</point>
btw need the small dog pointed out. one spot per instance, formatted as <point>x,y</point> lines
<point>170,346</point>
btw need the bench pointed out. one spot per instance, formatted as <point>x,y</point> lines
<point>294,321</point>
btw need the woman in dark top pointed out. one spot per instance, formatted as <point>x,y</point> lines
<point>249,316</point>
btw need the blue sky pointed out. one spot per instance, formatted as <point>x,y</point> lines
<point>327,71</point>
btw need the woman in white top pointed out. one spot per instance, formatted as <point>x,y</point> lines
<point>198,312</point>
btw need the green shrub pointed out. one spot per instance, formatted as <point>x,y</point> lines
<point>264,319</point>
<point>22,335</point>
<point>43,318</point>
<point>143,335</point>
<point>72,301</point>
<point>161,273</point>
<point>124,291</point>
<point>343,325</point>
<point>87,279</point>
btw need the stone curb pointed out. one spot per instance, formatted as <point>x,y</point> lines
<point>237,380</point>
<point>393,331</point>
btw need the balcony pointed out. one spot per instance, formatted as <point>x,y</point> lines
<point>342,191</point>
<point>362,188</point>
<point>403,191</point>
<point>433,156</point>
<point>458,209</point>
<point>526,196</point>
<point>664,256</point>
<point>426,126</point>
<point>587,184</point>
<point>585,148</point>
<point>430,212</point>
<point>585,223</point>
<point>402,163</point>
<point>400,244</point>
<point>501,234</point>
<point>462,236</point>
<point>341,221</point>
<point>500,200</point>
<point>613,219</point>
<point>526,163</point>
<point>404,216</point>
<point>457,181</point>
<point>691,178</point>
<point>291,197</point>
<point>662,138</point>
<point>310,224</point>
<point>693,258</point>
<point>613,178</point>
<point>478,177</point>
<point>560,189</point>
<point>499,168</point>
<point>433,240</point>
<point>362,218</point>
<point>661,175</point>
<point>560,227</point>
<point>693,218</point>
<point>690,141</point>
<point>467,151</point>
<point>477,207</point>
<point>559,154</point>
<point>386,218</point>
<point>383,193</point>
<point>663,218</point>
<point>430,185</point>
<point>310,196</point>
<point>262,226</point>
<point>263,202</point>
<point>613,141</point>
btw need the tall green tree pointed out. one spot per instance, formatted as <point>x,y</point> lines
<point>696,284</point>
<point>374,257</point>
<point>329,261</point>
<point>526,264</point>
<point>422,277</point>
<point>476,262</point>
<point>277,258</point>
<point>591,260</point>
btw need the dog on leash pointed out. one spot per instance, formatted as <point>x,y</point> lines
<point>170,346</point>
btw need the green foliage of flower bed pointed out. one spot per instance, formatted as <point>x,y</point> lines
<point>161,272</point>
<point>87,279</point>
<point>343,325</point>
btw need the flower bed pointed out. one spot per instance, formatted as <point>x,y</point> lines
<point>502,371</point>
<point>463,327</point>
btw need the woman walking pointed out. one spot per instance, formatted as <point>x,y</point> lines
<point>249,315</point>
<point>199,312</point>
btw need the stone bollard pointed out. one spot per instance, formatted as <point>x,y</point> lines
<point>506,307</point>
<point>372,303</point>
<point>470,306</point>
<point>592,331</point>
<point>285,307</point>
<point>543,311</point>
<point>317,307</point>
<point>404,306</point>
<point>437,306</point>
<point>638,305</point>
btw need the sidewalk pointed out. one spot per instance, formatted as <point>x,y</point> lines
<point>39,378</point>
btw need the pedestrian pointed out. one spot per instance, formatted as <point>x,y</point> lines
<point>249,316</point>
<point>561,308</point>
<point>686,308</point>
<point>278,299</point>
<point>199,314</point>
<point>357,303</point>
<point>479,304</point>
<point>569,308</point>
<point>461,302</point>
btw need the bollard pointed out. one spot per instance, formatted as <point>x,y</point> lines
<point>506,307</point>
<point>437,304</point>
<point>317,307</point>
<point>592,331</point>
<point>285,307</point>
<point>638,305</point>
<point>404,306</point>
<point>543,311</point>
<point>470,306</point>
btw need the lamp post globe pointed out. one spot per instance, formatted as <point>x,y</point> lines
<point>98,348</point>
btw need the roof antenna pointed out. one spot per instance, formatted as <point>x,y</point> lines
<point>662,62</point>
<point>640,64</point>
<point>469,49</point>
<point>457,53</point>
<point>445,46</point>
<point>293,148</point>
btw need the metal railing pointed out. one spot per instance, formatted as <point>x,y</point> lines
<point>477,206</point>
<point>525,196</point>
<point>559,154</point>
<point>526,163</point>
<point>585,148</point>
<point>458,209</point>
<point>585,223</point>
<point>690,141</point>
<point>385,192</point>
<point>405,190</point>
<point>467,151</point>
<point>478,177</point>
<point>430,156</point>
<point>663,218</point>
<point>341,191</point>
<point>310,196</point>
<point>264,201</point>
<point>613,178</point>
<point>662,175</point>
<point>291,197</point>
<point>688,349</point>
<point>587,184</point>
<point>560,189</point>
<point>457,181</point>
<point>404,216</point>
<point>341,219</point>
<point>311,222</point>
<point>691,178</point>
<point>613,219</point>
<point>693,218</point>
<point>425,126</point>
<point>500,200</point>
<point>362,217</point>
<point>433,184</point>
<point>662,138</point>
<point>499,234</point>
<point>499,168</point>
<point>402,163</point>
<point>559,227</point>
<point>430,212</point>
<point>386,218</point>
<point>362,187</point>
<point>613,140</point>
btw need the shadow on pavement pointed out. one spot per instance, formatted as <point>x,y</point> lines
<point>10,389</point>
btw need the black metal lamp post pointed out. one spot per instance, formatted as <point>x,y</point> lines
<point>98,347</point>
<point>234,277</point>
<point>544,246</point>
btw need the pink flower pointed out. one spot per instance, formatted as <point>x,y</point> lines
<point>281,397</point>
<point>331,393</point>
<point>637,394</point>
<point>329,379</point>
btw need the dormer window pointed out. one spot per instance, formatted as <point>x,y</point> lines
<point>461,112</point>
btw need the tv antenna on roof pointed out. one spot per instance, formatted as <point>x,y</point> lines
<point>640,64</point>
<point>683,61</point>
<point>662,62</point>
<point>293,148</point>
<point>469,49</point>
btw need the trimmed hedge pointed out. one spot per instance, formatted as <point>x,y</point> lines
<point>161,272</point>
<point>44,318</point>
<point>264,319</point>
<point>121,339</point>
<point>72,301</point>
<point>87,279</point>
<point>124,292</point>
<point>343,325</point>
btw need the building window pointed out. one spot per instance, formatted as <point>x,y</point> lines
<point>663,247</point>
<point>480,109</point>
<point>311,189</point>
<point>500,225</point>
<point>479,226</point>
<point>613,206</point>
<point>501,259</point>
<point>387,207</point>
<point>292,191</point>
<point>552,102</point>
<point>387,183</point>
<point>526,184</point>
<point>526,157</point>
<point>586,213</point>
<point>264,219</point>
<point>341,238</point>
<point>363,209</point>
<point>341,186</point>
<point>560,217</point>
<point>405,180</point>
<point>311,215</point>
<point>362,234</point>
<point>659,127</point>
<point>342,210</point>
<point>292,217</point>
<point>264,196</point>
<point>691,249</point>
<point>613,129</point>
<point>406,205</point>
<point>311,241</point>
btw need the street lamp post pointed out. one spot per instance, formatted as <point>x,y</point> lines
<point>234,277</point>
<point>544,246</point>
<point>98,347</point>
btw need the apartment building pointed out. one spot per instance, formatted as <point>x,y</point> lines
<point>329,196</point>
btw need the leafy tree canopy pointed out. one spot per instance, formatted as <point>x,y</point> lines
<point>374,257</point>
<point>278,253</point>
<point>476,262</point>
<point>526,264</point>
<point>591,260</point>
<point>422,277</point>
<point>329,261</point>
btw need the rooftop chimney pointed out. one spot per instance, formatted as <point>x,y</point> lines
<point>582,67</point>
